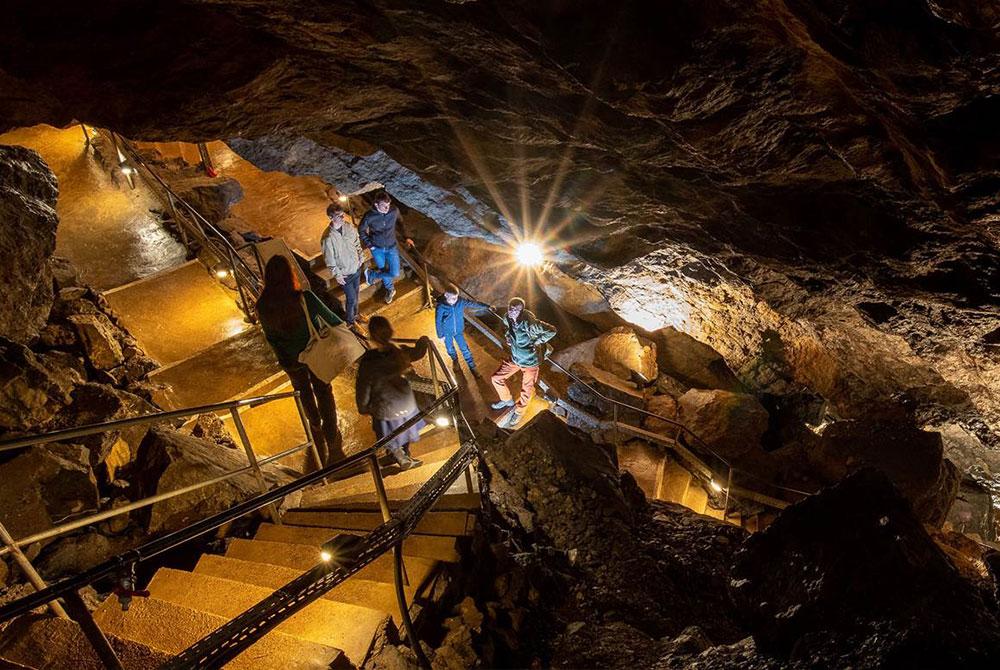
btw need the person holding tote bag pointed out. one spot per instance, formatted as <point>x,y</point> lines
<point>282,309</point>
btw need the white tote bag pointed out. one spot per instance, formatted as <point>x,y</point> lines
<point>330,350</point>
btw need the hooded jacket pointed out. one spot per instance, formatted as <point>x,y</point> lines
<point>524,335</point>
<point>449,320</point>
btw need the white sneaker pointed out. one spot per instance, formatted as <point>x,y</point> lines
<point>389,296</point>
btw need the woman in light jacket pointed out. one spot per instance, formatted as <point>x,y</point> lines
<point>384,394</point>
<point>282,318</point>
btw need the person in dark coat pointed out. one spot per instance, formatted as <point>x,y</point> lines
<point>282,317</point>
<point>449,322</point>
<point>378,233</point>
<point>384,394</point>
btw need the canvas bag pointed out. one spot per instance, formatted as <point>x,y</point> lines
<point>330,349</point>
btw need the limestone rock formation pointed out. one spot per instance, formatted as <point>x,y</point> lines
<point>621,352</point>
<point>911,458</point>
<point>168,460</point>
<point>692,362</point>
<point>98,337</point>
<point>861,584</point>
<point>45,484</point>
<point>33,388</point>
<point>731,424</point>
<point>663,405</point>
<point>97,403</point>
<point>608,385</point>
<point>586,543</point>
<point>28,193</point>
<point>212,197</point>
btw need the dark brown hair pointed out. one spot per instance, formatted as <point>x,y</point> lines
<point>334,208</point>
<point>382,196</point>
<point>279,306</point>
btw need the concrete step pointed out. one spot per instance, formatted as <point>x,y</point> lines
<point>460,500</point>
<point>432,523</point>
<point>225,370</point>
<point>349,628</point>
<point>176,314</point>
<point>439,548</point>
<point>303,557</point>
<point>172,629</point>
<point>392,476</point>
<point>373,594</point>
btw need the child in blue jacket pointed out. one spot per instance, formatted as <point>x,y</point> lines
<point>449,319</point>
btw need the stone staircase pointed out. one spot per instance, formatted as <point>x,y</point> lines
<point>334,631</point>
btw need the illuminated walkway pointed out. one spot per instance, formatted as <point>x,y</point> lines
<point>105,229</point>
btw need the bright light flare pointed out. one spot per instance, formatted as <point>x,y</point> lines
<point>342,199</point>
<point>222,273</point>
<point>325,556</point>
<point>715,486</point>
<point>442,421</point>
<point>529,254</point>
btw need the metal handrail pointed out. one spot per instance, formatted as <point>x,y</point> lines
<point>171,540</point>
<point>677,424</point>
<point>158,417</point>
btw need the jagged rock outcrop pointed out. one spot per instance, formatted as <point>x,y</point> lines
<point>692,362</point>
<point>911,458</point>
<point>28,193</point>
<point>33,388</point>
<point>621,352</point>
<point>731,424</point>
<point>169,460</point>
<point>45,484</point>
<point>212,197</point>
<point>582,543</point>
<point>861,584</point>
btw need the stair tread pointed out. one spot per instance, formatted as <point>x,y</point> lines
<point>364,483</point>
<point>400,496</point>
<point>432,523</point>
<point>356,590</point>
<point>173,628</point>
<point>437,547</point>
<point>347,627</point>
<point>303,557</point>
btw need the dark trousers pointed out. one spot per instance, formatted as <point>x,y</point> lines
<point>321,411</point>
<point>352,287</point>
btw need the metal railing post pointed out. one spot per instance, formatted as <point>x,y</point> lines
<point>244,305</point>
<point>95,636</point>
<point>313,451</point>
<point>383,498</point>
<point>29,570</point>
<point>86,135</point>
<point>404,610</point>
<point>272,509</point>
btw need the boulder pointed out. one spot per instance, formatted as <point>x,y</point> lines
<point>852,571</point>
<point>210,427</point>
<point>99,338</point>
<point>64,273</point>
<point>45,484</point>
<point>911,458</point>
<point>621,352</point>
<point>98,403</point>
<point>212,197</point>
<point>732,424</point>
<point>73,554</point>
<point>28,192</point>
<point>664,405</point>
<point>611,387</point>
<point>33,389</point>
<point>57,335</point>
<point>692,362</point>
<point>169,460</point>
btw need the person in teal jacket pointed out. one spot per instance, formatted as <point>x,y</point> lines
<point>525,333</point>
<point>449,323</point>
<point>282,319</point>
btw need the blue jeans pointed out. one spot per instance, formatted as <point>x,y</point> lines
<point>387,261</point>
<point>352,285</point>
<point>463,346</point>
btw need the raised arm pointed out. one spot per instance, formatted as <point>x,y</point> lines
<point>541,332</point>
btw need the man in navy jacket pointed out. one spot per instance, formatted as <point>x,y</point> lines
<point>449,320</point>
<point>378,233</point>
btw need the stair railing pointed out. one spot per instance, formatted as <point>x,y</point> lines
<point>389,535</point>
<point>191,223</point>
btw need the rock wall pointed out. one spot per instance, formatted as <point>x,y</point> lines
<point>28,221</point>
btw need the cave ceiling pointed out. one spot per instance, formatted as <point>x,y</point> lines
<point>852,147</point>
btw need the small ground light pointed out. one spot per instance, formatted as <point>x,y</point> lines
<point>529,254</point>
<point>221,272</point>
<point>441,421</point>
<point>342,198</point>
<point>715,486</point>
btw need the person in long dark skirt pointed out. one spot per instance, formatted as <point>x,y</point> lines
<point>383,392</point>
<point>283,320</point>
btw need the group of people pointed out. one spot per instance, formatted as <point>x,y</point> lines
<point>382,391</point>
